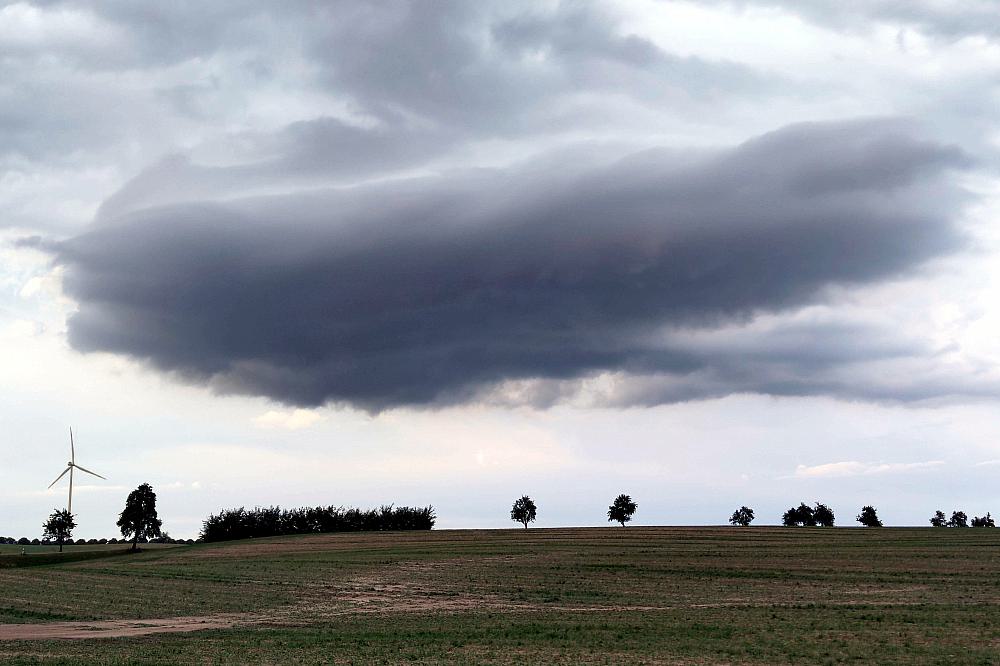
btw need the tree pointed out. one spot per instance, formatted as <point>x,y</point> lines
<point>869,517</point>
<point>823,515</point>
<point>59,528</point>
<point>523,511</point>
<point>958,519</point>
<point>622,509</point>
<point>743,516</point>
<point>139,519</point>
<point>938,519</point>
<point>802,515</point>
<point>985,521</point>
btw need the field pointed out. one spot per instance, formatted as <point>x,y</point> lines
<point>603,595</point>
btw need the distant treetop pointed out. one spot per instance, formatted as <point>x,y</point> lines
<point>523,511</point>
<point>743,516</point>
<point>869,517</point>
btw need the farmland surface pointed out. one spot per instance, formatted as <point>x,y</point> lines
<point>603,595</point>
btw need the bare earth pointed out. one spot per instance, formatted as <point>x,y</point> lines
<point>363,595</point>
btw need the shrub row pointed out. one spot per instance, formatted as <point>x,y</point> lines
<point>243,523</point>
<point>24,541</point>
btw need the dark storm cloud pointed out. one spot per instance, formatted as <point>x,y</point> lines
<point>429,291</point>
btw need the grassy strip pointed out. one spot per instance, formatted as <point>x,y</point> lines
<point>746,636</point>
<point>44,559</point>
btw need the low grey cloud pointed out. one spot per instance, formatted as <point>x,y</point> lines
<point>936,19</point>
<point>503,68</point>
<point>337,90</point>
<point>315,152</point>
<point>427,291</point>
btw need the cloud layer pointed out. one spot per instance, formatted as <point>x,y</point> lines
<point>431,290</point>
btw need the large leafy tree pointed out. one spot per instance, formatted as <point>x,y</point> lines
<point>622,509</point>
<point>938,519</point>
<point>958,519</point>
<point>869,517</point>
<point>743,516</point>
<point>139,519</point>
<point>59,527</point>
<point>523,511</point>
<point>802,516</point>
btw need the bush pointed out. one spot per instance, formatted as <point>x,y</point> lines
<point>258,522</point>
<point>23,541</point>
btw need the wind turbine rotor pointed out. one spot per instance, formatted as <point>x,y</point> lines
<point>84,469</point>
<point>59,477</point>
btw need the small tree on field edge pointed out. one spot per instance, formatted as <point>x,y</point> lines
<point>622,509</point>
<point>939,520</point>
<point>823,515</point>
<point>869,517</point>
<point>139,520</point>
<point>958,519</point>
<point>59,527</point>
<point>523,511</point>
<point>985,521</point>
<point>743,516</point>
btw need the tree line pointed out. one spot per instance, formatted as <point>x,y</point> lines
<point>243,523</point>
<point>525,511</point>
<point>820,515</point>
<point>25,541</point>
<point>620,511</point>
<point>138,522</point>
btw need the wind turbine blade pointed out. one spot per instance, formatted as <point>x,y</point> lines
<point>84,469</point>
<point>59,477</point>
<point>72,449</point>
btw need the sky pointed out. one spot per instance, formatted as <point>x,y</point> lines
<point>709,254</point>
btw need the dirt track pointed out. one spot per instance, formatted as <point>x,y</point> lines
<point>114,628</point>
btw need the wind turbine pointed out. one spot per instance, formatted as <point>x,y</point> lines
<point>70,466</point>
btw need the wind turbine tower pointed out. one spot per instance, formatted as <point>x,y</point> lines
<point>70,466</point>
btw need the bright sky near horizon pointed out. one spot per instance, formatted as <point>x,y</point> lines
<point>707,253</point>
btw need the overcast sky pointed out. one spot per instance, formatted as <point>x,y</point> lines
<point>707,253</point>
